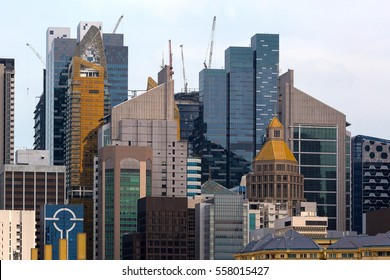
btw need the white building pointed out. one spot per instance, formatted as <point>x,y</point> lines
<point>17,234</point>
<point>307,223</point>
<point>194,174</point>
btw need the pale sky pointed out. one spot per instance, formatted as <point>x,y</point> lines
<point>339,50</point>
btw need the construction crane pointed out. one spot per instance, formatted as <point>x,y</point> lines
<point>210,45</point>
<point>170,61</point>
<point>37,54</point>
<point>184,72</point>
<point>117,24</point>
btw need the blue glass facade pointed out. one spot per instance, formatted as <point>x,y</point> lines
<point>117,67</point>
<point>370,177</point>
<point>62,222</point>
<point>238,104</point>
<point>210,143</point>
<point>266,60</point>
<point>62,52</point>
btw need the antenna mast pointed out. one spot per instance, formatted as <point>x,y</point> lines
<point>184,72</point>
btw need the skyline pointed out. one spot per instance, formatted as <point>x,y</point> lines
<point>338,51</point>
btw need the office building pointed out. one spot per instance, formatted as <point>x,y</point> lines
<point>221,223</point>
<point>238,103</point>
<point>7,110</point>
<point>85,109</point>
<point>117,67</point>
<point>32,184</point>
<point>275,177</point>
<point>61,222</point>
<point>125,174</point>
<point>152,120</point>
<point>17,233</point>
<point>370,177</point>
<point>60,48</point>
<point>85,105</point>
<point>162,230</point>
<point>316,134</point>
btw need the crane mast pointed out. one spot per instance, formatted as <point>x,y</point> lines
<point>184,72</point>
<point>117,24</point>
<point>170,61</point>
<point>37,54</point>
<point>211,45</point>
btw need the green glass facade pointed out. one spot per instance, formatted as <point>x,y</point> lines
<point>129,187</point>
<point>109,212</point>
<point>315,148</point>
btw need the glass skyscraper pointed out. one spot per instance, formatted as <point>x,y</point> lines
<point>238,103</point>
<point>117,67</point>
<point>60,48</point>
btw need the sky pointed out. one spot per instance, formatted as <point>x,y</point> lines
<point>339,50</point>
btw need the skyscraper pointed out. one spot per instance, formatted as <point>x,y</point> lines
<point>151,120</point>
<point>7,110</point>
<point>317,135</point>
<point>59,51</point>
<point>85,109</point>
<point>370,177</point>
<point>85,105</point>
<point>238,104</point>
<point>117,67</point>
<point>125,176</point>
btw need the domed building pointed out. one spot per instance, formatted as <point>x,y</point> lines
<point>275,177</point>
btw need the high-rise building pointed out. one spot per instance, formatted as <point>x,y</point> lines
<point>238,103</point>
<point>317,135</point>
<point>125,175</point>
<point>221,223</point>
<point>370,177</point>
<point>17,230</point>
<point>151,120</point>
<point>60,48</point>
<point>275,177</point>
<point>59,51</point>
<point>85,105</point>
<point>7,110</point>
<point>32,183</point>
<point>85,110</point>
<point>61,222</point>
<point>117,67</point>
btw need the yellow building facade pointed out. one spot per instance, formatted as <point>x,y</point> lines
<point>294,246</point>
